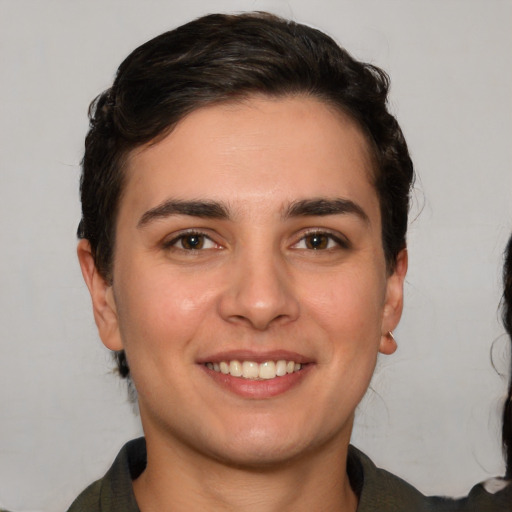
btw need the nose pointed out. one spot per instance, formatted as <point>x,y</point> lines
<point>260,293</point>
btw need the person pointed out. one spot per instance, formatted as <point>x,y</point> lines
<point>507,322</point>
<point>245,194</point>
<point>495,494</point>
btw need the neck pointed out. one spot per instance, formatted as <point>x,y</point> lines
<point>179,479</point>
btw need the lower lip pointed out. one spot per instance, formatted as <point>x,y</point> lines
<point>259,389</point>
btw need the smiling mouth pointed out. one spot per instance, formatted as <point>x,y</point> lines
<point>255,371</point>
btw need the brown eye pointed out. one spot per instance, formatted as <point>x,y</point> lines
<point>317,241</point>
<point>321,241</point>
<point>192,241</point>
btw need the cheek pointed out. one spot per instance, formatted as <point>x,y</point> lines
<point>347,301</point>
<point>160,310</point>
<point>348,310</point>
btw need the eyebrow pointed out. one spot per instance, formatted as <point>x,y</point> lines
<point>322,207</point>
<point>203,209</point>
<point>319,207</point>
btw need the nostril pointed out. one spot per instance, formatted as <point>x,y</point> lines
<point>260,322</point>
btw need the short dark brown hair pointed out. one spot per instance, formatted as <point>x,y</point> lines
<point>218,58</point>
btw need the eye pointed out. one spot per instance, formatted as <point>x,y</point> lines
<point>319,240</point>
<point>192,241</point>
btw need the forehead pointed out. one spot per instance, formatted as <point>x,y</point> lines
<point>258,149</point>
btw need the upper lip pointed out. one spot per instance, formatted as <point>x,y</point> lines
<point>257,357</point>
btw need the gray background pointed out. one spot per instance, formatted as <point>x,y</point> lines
<point>432,415</point>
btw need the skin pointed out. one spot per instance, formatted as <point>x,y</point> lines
<point>257,285</point>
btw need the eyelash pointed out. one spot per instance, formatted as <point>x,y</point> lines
<point>173,243</point>
<point>333,241</point>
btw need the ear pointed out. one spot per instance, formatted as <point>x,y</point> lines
<point>394,303</point>
<point>102,295</point>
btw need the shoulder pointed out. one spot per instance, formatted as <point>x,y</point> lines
<point>380,490</point>
<point>493,495</point>
<point>88,500</point>
<point>114,492</point>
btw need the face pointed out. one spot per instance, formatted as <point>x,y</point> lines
<point>250,289</point>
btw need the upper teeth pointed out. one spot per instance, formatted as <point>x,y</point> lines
<point>253,370</point>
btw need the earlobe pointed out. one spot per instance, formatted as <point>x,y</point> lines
<point>394,303</point>
<point>102,296</point>
<point>388,344</point>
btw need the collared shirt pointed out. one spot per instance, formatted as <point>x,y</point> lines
<point>378,490</point>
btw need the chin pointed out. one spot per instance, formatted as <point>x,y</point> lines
<point>260,448</point>
<point>259,456</point>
